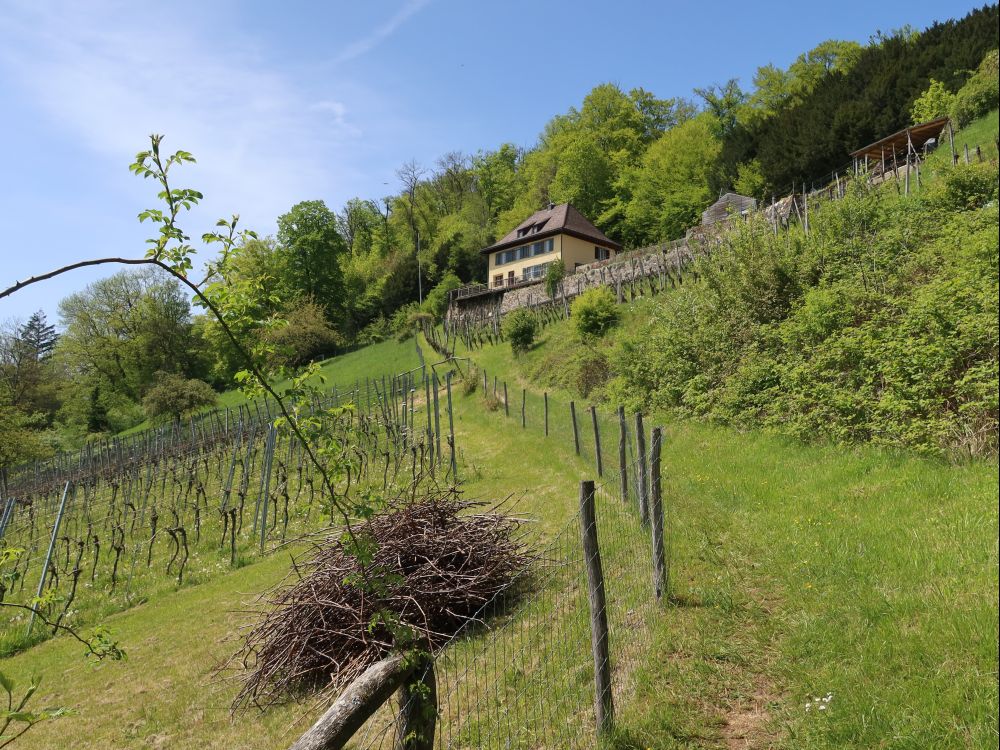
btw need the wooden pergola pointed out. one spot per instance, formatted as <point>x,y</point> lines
<point>901,144</point>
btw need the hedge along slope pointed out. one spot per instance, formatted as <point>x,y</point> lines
<point>880,325</point>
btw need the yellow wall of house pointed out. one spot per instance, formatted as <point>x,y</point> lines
<point>518,266</point>
<point>573,251</point>
<point>577,252</point>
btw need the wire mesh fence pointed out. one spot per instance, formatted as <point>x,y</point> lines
<point>128,519</point>
<point>529,670</point>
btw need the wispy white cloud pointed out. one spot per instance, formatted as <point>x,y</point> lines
<point>109,78</point>
<point>382,32</point>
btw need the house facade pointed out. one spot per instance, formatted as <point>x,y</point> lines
<point>556,234</point>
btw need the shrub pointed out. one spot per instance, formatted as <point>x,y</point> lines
<point>595,311</point>
<point>979,94</point>
<point>520,328</point>
<point>403,324</point>
<point>878,326</point>
<point>173,396</point>
<point>470,380</point>
<point>436,301</point>
<point>970,186</point>
<point>554,275</point>
<point>592,373</point>
<point>303,336</point>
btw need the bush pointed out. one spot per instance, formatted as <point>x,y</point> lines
<point>403,322</point>
<point>520,328</point>
<point>174,396</point>
<point>470,380</point>
<point>979,94</point>
<point>436,301</point>
<point>303,336</point>
<point>970,186</point>
<point>592,373</point>
<point>595,311</point>
<point>554,275</point>
<point>378,330</point>
<point>879,326</point>
<point>935,102</point>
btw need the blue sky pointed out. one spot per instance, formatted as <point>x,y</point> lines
<point>282,102</point>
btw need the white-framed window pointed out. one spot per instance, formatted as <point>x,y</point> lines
<point>601,253</point>
<point>535,272</point>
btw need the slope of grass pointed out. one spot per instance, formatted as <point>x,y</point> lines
<point>342,371</point>
<point>797,572</point>
<point>866,574</point>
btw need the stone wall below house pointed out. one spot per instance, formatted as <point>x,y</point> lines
<point>620,274</point>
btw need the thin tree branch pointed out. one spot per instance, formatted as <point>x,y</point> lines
<point>258,375</point>
<point>59,626</point>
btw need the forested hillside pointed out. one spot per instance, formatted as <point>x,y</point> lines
<point>641,166</point>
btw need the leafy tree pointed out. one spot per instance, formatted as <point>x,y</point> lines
<point>359,223</point>
<point>936,101</point>
<point>520,328</point>
<point>312,248</point>
<point>122,330</point>
<point>174,396</point>
<point>675,182</point>
<point>724,102</point>
<point>20,437</point>
<point>496,180</point>
<point>594,312</point>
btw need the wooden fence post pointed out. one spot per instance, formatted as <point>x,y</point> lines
<point>545,397</point>
<point>640,449</point>
<point>451,431</point>
<point>437,418</point>
<point>418,708</point>
<point>597,441</point>
<point>656,511</point>
<point>524,399</point>
<point>603,706</point>
<point>576,432</point>
<point>622,443</point>
<point>506,403</point>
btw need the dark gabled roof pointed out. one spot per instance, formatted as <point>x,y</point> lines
<point>561,219</point>
<point>898,142</point>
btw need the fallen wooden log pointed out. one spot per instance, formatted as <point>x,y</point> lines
<point>357,703</point>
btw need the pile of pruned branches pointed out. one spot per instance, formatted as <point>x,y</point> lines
<point>411,576</point>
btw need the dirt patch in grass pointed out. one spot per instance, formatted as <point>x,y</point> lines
<point>747,724</point>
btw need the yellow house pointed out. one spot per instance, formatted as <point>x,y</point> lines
<point>554,234</point>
